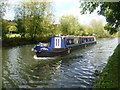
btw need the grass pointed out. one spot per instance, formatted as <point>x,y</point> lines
<point>110,76</point>
<point>13,35</point>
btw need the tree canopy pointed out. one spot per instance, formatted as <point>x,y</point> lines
<point>34,18</point>
<point>69,25</point>
<point>111,10</point>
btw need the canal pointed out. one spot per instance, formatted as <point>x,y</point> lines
<point>21,70</point>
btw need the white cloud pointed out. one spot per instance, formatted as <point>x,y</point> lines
<point>59,3</point>
<point>75,10</point>
<point>9,15</point>
<point>10,9</point>
<point>86,19</point>
<point>61,7</point>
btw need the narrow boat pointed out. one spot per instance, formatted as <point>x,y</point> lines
<point>62,45</point>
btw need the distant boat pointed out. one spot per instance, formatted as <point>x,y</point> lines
<point>62,45</point>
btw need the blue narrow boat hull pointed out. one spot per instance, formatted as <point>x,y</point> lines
<point>62,51</point>
<point>54,53</point>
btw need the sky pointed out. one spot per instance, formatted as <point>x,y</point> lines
<point>60,8</point>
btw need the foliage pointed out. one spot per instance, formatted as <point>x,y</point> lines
<point>34,17</point>
<point>3,6</point>
<point>20,27</point>
<point>98,28</point>
<point>88,30</point>
<point>12,28</point>
<point>110,10</point>
<point>69,25</point>
<point>34,21</point>
<point>110,28</point>
<point>12,35</point>
<point>5,27</point>
<point>118,33</point>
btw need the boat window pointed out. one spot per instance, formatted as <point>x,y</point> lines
<point>70,41</point>
<point>76,40</point>
<point>58,41</point>
<point>80,40</point>
<point>86,39</point>
<point>92,39</point>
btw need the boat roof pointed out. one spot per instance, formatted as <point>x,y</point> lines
<point>71,36</point>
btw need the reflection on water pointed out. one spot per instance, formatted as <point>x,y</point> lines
<point>21,70</point>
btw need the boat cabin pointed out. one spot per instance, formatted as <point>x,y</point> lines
<point>63,44</point>
<point>66,41</point>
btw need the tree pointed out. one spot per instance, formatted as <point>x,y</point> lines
<point>32,15</point>
<point>111,10</point>
<point>12,29</point>
<point>5,27</point>
<point>20,27</point>
<point>98,28</point>
<point>8,27</point>
<point>88,30</point>
<point>69,25</point>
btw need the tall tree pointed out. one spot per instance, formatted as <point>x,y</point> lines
<point>69,25</point>
<point>111,10</point>
<point>33,15</point>
<point>20,27</point>
<point>98,28</point>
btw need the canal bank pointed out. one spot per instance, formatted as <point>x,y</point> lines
<point>110,76</point>
<point>12,42</point>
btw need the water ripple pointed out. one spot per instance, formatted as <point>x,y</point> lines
<point>21,70</point>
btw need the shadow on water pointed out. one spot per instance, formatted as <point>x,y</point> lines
<point>21,70</point>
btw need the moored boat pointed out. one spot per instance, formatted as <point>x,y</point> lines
<point>62,45</point>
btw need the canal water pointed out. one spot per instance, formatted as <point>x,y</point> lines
<point>21,70</point>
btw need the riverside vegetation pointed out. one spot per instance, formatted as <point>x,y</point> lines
<point>34,21</point>
<point>110,76</point>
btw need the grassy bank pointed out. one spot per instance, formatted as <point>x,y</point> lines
<point>110,76</point>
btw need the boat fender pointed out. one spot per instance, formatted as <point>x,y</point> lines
<point>69,50</point>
